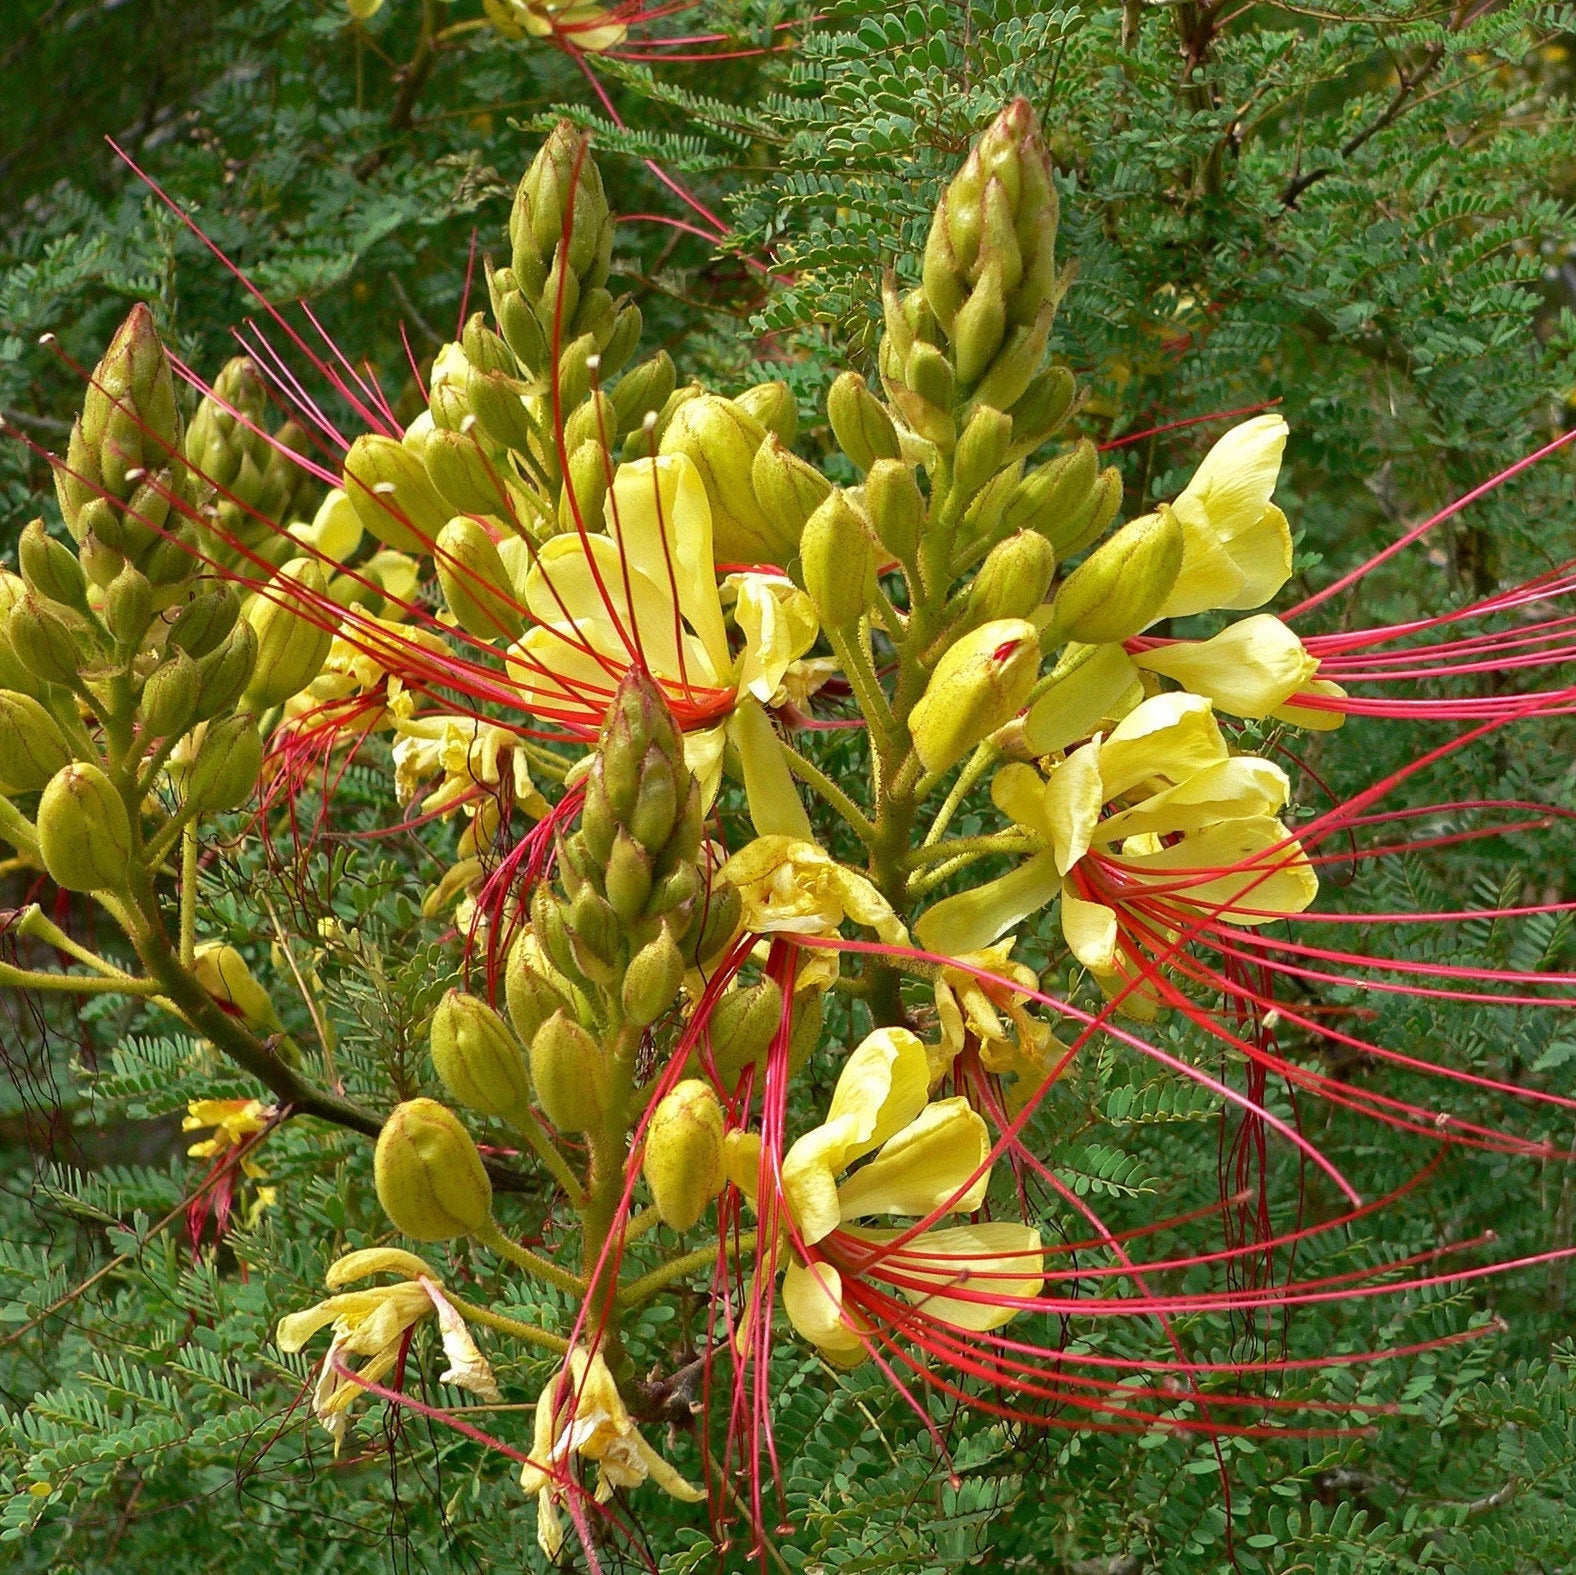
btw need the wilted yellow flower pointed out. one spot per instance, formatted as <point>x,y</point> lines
<point>372,1324</point>
<point>791,887</point>
<point>465,753</point>
<point>929,1156</point>
<point>233,1122</point>
<point>1010,1037</point>
<point>582,1413</point>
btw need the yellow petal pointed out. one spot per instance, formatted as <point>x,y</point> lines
<point>1074,794</point>
<point>1090,685</point>
<point>1166,739</point>
<point>996,1259</point>
<point>1246,670</point>
<point>1318,721</point>
<point>367,1261</point>
<point>774,803</point>
<point>1277,878</point>
<point>813,1300</point>
<point>779,625</point>
<point>929,1165</point>
<point>1089,928</point>
<point>973,919</point>
<point>1234,789</point>
<point>1237,477</point>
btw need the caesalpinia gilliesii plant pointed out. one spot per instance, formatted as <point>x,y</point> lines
<point>646,596</point>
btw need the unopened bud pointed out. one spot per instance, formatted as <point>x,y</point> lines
<point>222,971</point>
<point>981,682</point>
<point>500,412</point>
<point>84,833</point>
<point>32,746</point>
<point>530,997</point>
<point>742,1026</point>
<point>389,489</point>
<point>477,1058</point>
<point>1013,579</point>
<point>128,605</point>
<point>475,583</point>
<point>294,633</point>
<point>1016,362</point>
<point>652,980</point>
<point>203,623</point>
<point>223,674</point>
<point>925,394</point>
<point>643,389</point>
<point>714,923</point>
<point>225,769</point>
<point>860,423</point>
<point>50,568</point>
<point>683,1162</point>
<point>465,477</point>
<point>628,877</point>
<point>896,507</point>
<point>169,698</point>
<point>430,1179</point>
<point>773,405</point>
<point>1043,407</point>
<point>839,564</point>
<point>585,487</point>
<point>43,641</point>
<point>100,563</point>
<point>722,440</point>
<point>787,489</point>
<point>561,194</point>
<point>621,340</point>
<point>1120,588</point>
<point>14,672</point>
<point>982,450</point>
<point>980,324</point>
<point>568,1074</point>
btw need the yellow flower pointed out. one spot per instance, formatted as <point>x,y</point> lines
<point>587,27</point>
<point>790,887</point>
<point>1010,1038</point>
<point>233,1121</point>
<point>648,589</point>
<point>373,1324</point>
<point>466,753</point>
<point>1237,551</point>
<point>1190,822</point>
<point>582,1413</point>
<point>929,1157</point>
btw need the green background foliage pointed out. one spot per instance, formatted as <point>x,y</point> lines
<point>1360,210</point>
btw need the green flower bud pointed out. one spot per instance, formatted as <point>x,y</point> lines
<point>585,487</point>
<point>742,1026</point>
<point>656,810</point>
<point>477,1058</point>
<point>550,925</point>
<point>14,672</point>
<point>476,586</point>
<point>172,562</point>
<point>1013,579</point>
<point>839,565</point>
<point>896,507</point>
<point>518,322</point>
<point>430,1179</point>
<point>622,341</point>
<point>388,487</point>
<point>860,423</point>
<point>293,633</point>
<point>773,405</point>
<point>628,877</point>
<point>32,746</point>
<point>484,350</point>
<point>101,563</point>
<point>128,605</point>
<point>809,1013</point>
<point>51,569</point>
<point>982,517</point>
<point>568,1074</point>
<point>596,936</point>
<point>1052,495</point>
<point>926,393</point>
<point>1043,407</point>
<point>223,674</point>
<point>465,477</point>
<point>643,389</point>
<point>722,441</point>
<point>530,997</point>
<point>169,698</point>
<point>980,325</point>
<point>787,489</point>
<point>1087,525</point>
<point>1121,586</point>
<point>203,623</point>
<point>225,769</point>
<point>84,833</point>
<point>652,980</point>
<point>563,180</point>
<point>1014,366</point>
<point>683,1162</point>
<point>714,922</point>
<point>590,422</point>
<point>981,682</point>
<point>129,424</point>
<point>982,449</point>
<point>500,411</point>
<point>44,642</point>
